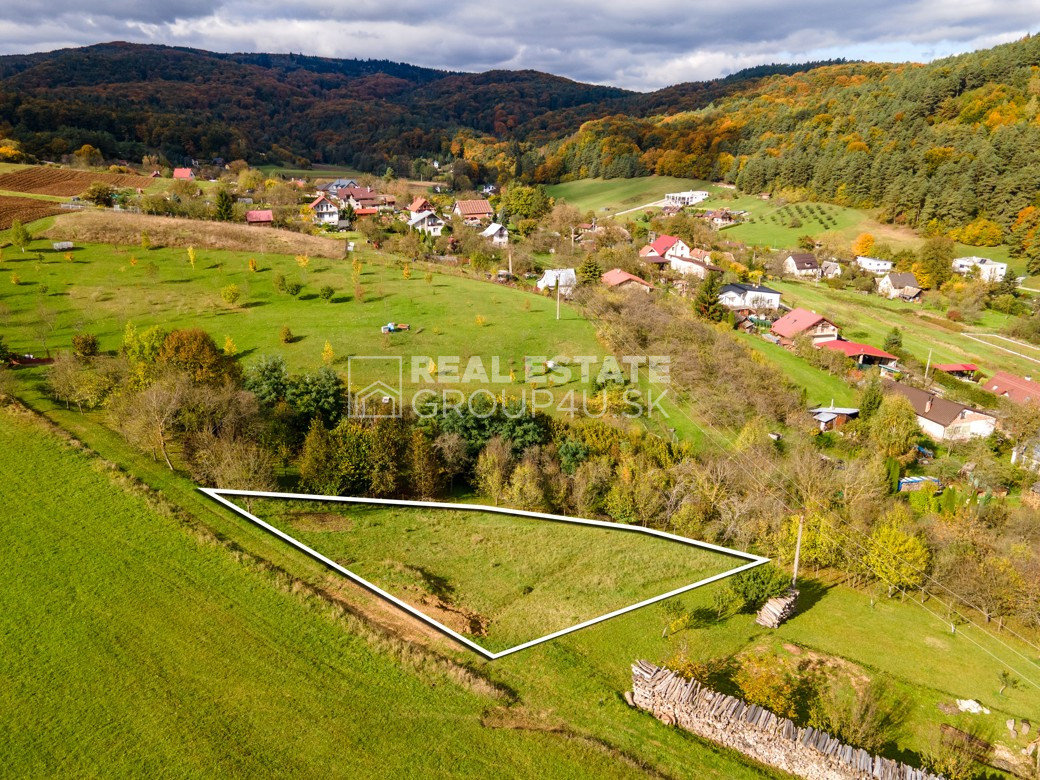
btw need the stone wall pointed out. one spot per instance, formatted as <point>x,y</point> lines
<point>756,732</point>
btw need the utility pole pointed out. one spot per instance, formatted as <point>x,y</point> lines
<point>558,286</point>
<point>928,365</point>
<point>798,550</point>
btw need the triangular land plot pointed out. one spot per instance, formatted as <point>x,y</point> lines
<point>496,580</point>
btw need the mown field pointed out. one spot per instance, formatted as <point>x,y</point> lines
<point>500,580</point>
<point>129,648</point>
<point>613,195</point>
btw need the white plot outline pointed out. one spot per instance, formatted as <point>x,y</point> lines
<point>217,494</point>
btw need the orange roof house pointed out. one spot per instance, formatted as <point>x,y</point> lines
<point>619,279</point>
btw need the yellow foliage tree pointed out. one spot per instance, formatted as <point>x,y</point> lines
<point>327,355</point>
<point>863,245</point>
<point>192,257</point>
<point>303,261</point>
<point>229,346</point>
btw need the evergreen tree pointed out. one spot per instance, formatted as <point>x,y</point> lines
<point>871,400</point>
<point>224,206</point>
<point>589,272</point>
<point>707,305</point>
<point>894,340</point>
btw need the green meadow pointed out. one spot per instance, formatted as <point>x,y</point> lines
<point>501,580</point>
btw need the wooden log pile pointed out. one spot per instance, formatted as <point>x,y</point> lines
<point>777,610</point>
<point>756,732</point>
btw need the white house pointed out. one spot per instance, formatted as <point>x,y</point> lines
<point>942,419</point>
<point>496,233</point>
<point>565,277</point>
<point>427,222</point>
<point>900,284</point>
<point>803,265</point>
<point>988,270</point>
<point>696,262</point>
<point>830,270</point>
<point>324,211</point>
<point>874,265</point>
<point>663,248</point>
<point>746,296</point>
<point>685,198</point>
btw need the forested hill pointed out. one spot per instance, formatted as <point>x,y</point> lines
<point>129,100</point>
<point>952,147</point>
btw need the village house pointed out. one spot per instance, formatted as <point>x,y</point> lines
<point>830,270</point>
<point>802,265</point>
<point>427,222</point>
<point>720,218</point>
<point>1020,390</point>
<point>698,265</point>
<point>873,265</point>
<point>685,198</point>
<point>497,234</point>
<point>324,211</point>
<point>664,248</point>
<point>741,297</point>
<point>419,205</point>
<point>987,270</point>
<point>942,419</point>
<point>862,354</point>
<point>959,370</point>
<point>565,277</point>
<point>900,284</point>
<point>802,322</point>
<point>473,212</point>
<point>364,198</point>
<point>622,280</point>
<point>260,217</point>
<point>184,174</point>
<point>832,417</point>
<point>336,185</point>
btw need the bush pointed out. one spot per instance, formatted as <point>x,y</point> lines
<point>293,288</point>
<point>327,292</point>
<point>756,586</point>
<point>85,344</point>
<point>279,282</point>
<point>285,335</point>
<point>230,294</point>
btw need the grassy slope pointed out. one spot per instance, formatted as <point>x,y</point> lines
<point>128,648</point>
<point>821,387</point>
<point>620,194</point>
<point>101,290</point>
<point>563,678</point>
<point>868,318</point>
<point>527,577</point>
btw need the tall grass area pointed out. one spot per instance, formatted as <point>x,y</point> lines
<point>502,580</point>
<point>129,648</point>
<point>612,195</point>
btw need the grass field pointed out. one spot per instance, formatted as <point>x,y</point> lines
<point>612,195</point>
<point>500,580</point>
<point>128,648</point>
<point>869,318</point>
<point>573,683</point>
<point>820,387</point>
<point>316,172</point>
<point>102,289</point>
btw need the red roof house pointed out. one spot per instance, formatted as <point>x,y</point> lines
<point>799,322</point>
<point>260,217</point>
<point>185,174</point>
<point>620,280</point>
<point>864,354</point>
<point>473,210</point>
<point>1014,388</point>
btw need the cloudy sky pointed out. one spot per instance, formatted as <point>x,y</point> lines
<point>639,44</point>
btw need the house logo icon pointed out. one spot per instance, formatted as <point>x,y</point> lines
<point>376,397</point>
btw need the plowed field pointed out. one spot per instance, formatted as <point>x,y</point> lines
<point>65,182</point>
<point>24,210</point>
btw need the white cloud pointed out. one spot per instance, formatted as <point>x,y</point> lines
<point>637,45</point>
